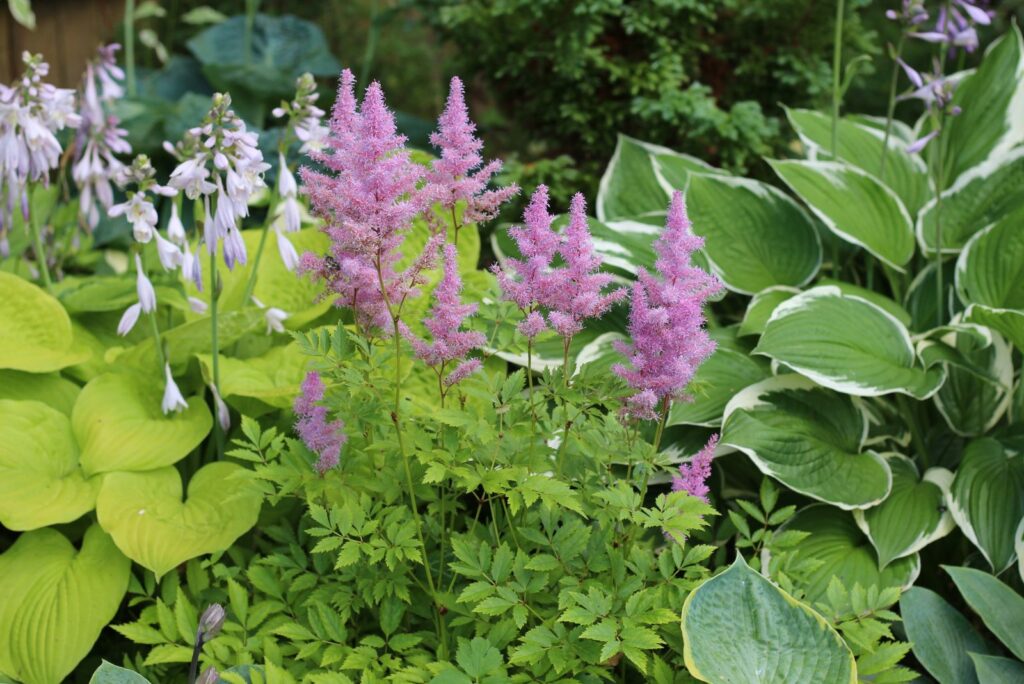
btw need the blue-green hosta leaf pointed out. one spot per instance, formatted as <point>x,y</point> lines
<point>912,516</point>
<point>848,344</point>
<point>761,306</point>
<point>854,205</point>
<point>981,132</point>
<point>998,670</point>
<point>981,196</point>
<point>41,482</point>
<point>943,639</point>
<point>719,378</point>
<point>999,607</point>
<point>809,438</point>
<point>56,601</point>
<point>986,499</point>
<point>49,388</point>
<point>755,236</point>
<point>990,270</point>
<point>119,425</point>
<point>739,628</point>
<point>272,378</point>
<point>35,331</point>
<point>845,552</point>
<point>978,385</point>
<point>861,145</point>
<point>150,523</point>
<point>108,673</point>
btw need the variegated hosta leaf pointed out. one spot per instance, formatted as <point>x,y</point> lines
<point>912,516</point>
<point>848,344</point>
<point>761,306</point>
<point>41,482</point>
<point>1008,322</point>
<point>755,236</point>
<point>845,552</point>
<point>979,381</point>
<point>1018,547</point>
<point>986,499</point>
<point>49,388</point>
<point>120,426</point>
<point>854,205</point>
<point>809,438</point>
<point>981,196</point>
<point>273,377</point>
<point>150,523</point>
<point>878,299</point>
<point>922,300</point>
<point>736,623</point>
<point>719,378</point>
<point>990,270</point>
<point>861,145</point>
<point>35,331</point>
<point>943,639</point>
<point>56,600</point>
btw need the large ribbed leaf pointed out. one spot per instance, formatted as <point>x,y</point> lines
<point>40,481</point>
<point>35,331</point>
<point>848,344</point>
<point>153,526</point>
<point>755,236</point>
<point>809,438</point>
<point>999,607</point>
<point>978,384</point>
<point>990,270</point>
<point>49,388</point>
<point>912,516</point>
<point>719,378</point>
<point>56,600</point>
<point>119,425</point>
<point>108,673</point>
<point>845,552</point>
<point>986,499</point>
<point>735,625</point>
<point>943,639</point>
<point>1008,322</point>
<point>272,377</point>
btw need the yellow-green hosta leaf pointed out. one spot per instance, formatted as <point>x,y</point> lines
<point>150,523</point>
<point>990,270</point>
<point>739,628</point>
<point>845,552</point>
<point>273,377</point>
<point>912,516</point>
<point>755,236</point>
<point>56,600</point>
<point>35,331</point>
<point>985,499</point>
<point>848,344</point>
<point>943,638</point>
<point>41,482</point>
<point>120,426</point>
<point>49,388</point>
<point>809,438</point>
<point>854,205</point>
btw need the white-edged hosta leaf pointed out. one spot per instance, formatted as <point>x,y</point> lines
<point>724,374</point>
<point>1018,547</point>
<point>943,639</point>
<point>152,525</point>
<point>600,353</point>
<point>998,670</point>
<point>50,388</point>
<point>978,385</point>
<point>675,168</point>
<point>273,377</point>
<point>854,205</point>
<point>739,627</point>
<point>861,146</point>
<point>845,552</point>
<point>119,425</point>
<point>809,438</point>
<point>921,299</point>
<point>912,516</point>
<point>876,298</point>
<point>56,601</point>
<point>35,330</point>
<point>999,606</point>
<point>990,270</point>
<point>848,344</point>
<point>986,499</point>
<point>1008,322</point>
<point>761,306</point>
<point>40,481</point>
<point>981,196</point>
<point>755,236</point>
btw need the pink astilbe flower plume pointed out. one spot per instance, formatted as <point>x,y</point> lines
<point>666,320</point>
<point>575,292</point>
<point>450,344</point>
<point>460,174</point>
<point>322,437</point>
<point>693,476</point>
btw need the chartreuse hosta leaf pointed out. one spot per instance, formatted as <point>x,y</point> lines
<point>755,236</point>
<point>861,146</point>
<point>981,196</point>
<point>986,499</point>
<point>119,425</point>
<point>943,639</point>
<point>845,552</point>
<point>41,482</point>
<point>35,331</point>
<point>272,378</point>
<point>998,670</point>
<point>809,438</point>
<point>719,378</point>
<point>848,344</point>
<point>999,607</point>
<point>854,205</point>
<point>193,337</point>
<point>739,628</point>
<point>49,388</point>
<point>56,600</point>
<point>150,523</point>
<point>912,516</point>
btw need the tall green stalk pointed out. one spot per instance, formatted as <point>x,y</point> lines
<point>129,46</point>
<point>940,182</point>
<point>837,62</point>
<point>218,433</point>
<point>891,109</point>
<point>250,21</point>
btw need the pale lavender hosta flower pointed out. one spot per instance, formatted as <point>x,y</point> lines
<point>289,215</point>
<point>192,267</point>
<point>139,211</point>
<point>911,13</point>
<point>128,319</point>
<point>173,400</point>
<point>322,437</point>
<point>169,253</point>
<point>175,228</point>
<point>223,412</point>
<point>197,305</point>
<point>289,255</point>
<point>304,117</point>
<point>956,24</point>
<point>272,316</point>
<point>144,288</point>
<point>936,91</point>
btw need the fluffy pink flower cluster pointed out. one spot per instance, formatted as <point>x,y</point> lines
<point>693,476</point>
<point>322,437</point>
<point>666,320</point>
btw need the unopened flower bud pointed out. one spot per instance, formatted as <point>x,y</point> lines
<point>211,621</point>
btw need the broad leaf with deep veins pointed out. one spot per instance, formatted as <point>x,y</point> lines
<point>35,331</point>
<point>50,388</point>
<point>724,374</point>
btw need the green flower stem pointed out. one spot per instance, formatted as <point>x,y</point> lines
<point>250,20</point>
<point>940,178</point>
<point>891,110</point>
<point>37,242</point>
<point>155,327</point>
<point>215,347</point>
<point>250,285</point>
<point>837,59</point>
<point>129,46</point>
